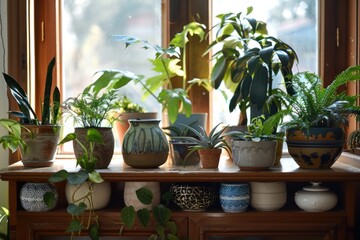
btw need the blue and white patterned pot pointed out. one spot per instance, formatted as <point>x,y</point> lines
<point>32,194</point>
<point>234,197</point>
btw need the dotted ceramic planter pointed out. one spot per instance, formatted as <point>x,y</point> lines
<point>32,196</point>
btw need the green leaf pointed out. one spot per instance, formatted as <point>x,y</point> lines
<point>78,178</point>
<point>144,217</point>
<point>266,54</point>
<point>172,227</point>
<point>59,176</point>
<point>144,195</point>
<point>49,199</point>
<point>94,136</point>
<point>160,230</point>
<point>68,138</point>
<point>74,226</point>
<point>259,86</point>
<point>76,210</point>
<point>128,215</point>
<point>95,177</point>
<point>161,214</point>
<point>218,72</point>
<point>94,232</point>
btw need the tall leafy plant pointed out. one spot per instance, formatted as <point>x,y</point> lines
<point>50,107</point>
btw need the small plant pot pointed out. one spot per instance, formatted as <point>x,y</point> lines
<point>178,152</point>
<point>209,158</point>
<point>32,194</point>
<point>268,196</point>
<point>254,156</point>
<point>234,197</point>
<point>193,196</point>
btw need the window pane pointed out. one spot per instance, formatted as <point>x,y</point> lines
<point>87,45</point>
<point>294,22</point>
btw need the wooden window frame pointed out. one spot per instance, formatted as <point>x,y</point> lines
<point>338,40</point>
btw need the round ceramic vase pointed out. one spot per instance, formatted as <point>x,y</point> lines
<point>101,193</point>
<point>131,199</point>
<point>145,144</point>
<point>315,198</point>
<point>268,196</point>
<point>234,197</point>
<point>32,196</point>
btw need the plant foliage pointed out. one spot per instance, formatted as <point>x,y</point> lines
<point>27,115</point>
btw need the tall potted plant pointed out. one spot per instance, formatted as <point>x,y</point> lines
<point>39,153</point>
<point>170,86</point>
<point>315,132</point>
<point>248,63</point>
<point>92,110</point>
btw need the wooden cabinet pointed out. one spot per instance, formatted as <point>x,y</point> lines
<point>288,223</point>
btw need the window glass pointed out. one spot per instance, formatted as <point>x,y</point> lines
<point>294,22</point>
<point>87,44</point>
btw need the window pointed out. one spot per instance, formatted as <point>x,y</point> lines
<point>337,23</point>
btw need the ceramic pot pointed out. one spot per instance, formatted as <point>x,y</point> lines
<point>209,158</point>
<point>179,150</point>
<point>145,144</point>
<point>131,199</point>
<point>101,193</point>
<point>234,197</point>
<point>317,148</point>
<point>123,125</point>
<point>193,196</point>
<point>41,144</point>
<point>102,152</point>
<point>195,120</point>
<point>32,194</point>
<point>253,156</point>
<point>268,196</point>
<point>315,198</point>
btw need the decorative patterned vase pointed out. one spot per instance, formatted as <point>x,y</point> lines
<point>317,148</point>
<point>254,156</point>
<point>234,197</point>
<point>193,196</point>
<point>41,144</point>
<point>131,199</point>
<point>268,196</point>
<point>145,144</point>
<point>315,198</point>
<point>101,193</point>
<point>32,194</point>
<point>102,152</point>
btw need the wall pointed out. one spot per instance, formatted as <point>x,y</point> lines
<point>4,155</point>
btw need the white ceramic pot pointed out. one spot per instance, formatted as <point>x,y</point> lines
<point>315,198</point>
<point>131,199</point>
<point>100,196</point>
<point>253,156</point>
<point>268,196</point>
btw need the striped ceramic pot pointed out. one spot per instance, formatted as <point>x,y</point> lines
<point>234,197</point>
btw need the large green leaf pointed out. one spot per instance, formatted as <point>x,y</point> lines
<point>128,215</point>
<point>47,92</point>
<point>78,178</point>
<point>144,217</point>
<point>74,226</point>
<point>259,87</point>
<point>95,177</point>
<point>161,214</point>
<point>94,232</point>
<point>76,210</point>
<point>144,195</point>
<point>59,176</point>
<point>218,72</point>
<point>94,136</point>
<point>266,54</point>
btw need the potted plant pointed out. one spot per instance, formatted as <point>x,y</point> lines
<point>255,149</point>
<point>4,218</point>
<point>39,153</point>
<point>13,140</point>
<point>248,63</point>
<point>85,189</point>
<point>315,132</point>
<point>130,110</point>
<point>180,147</point>
<point>354,142</point>
<point>209,146</point>
<point>94,110</point>
<point>170,86</point>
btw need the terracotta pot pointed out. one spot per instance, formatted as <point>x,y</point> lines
<point>123,125</point>
<point>209,158</point>
<point>41,144</point>
<point>317,148</point>
<point>102,152</point>
<point>254,156</point>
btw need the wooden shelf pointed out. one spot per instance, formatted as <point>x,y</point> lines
<point>340,223</point>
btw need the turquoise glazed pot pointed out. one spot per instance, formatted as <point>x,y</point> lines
<point>145,144</point>
<point>316,147</point>
<point>234,197</point>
